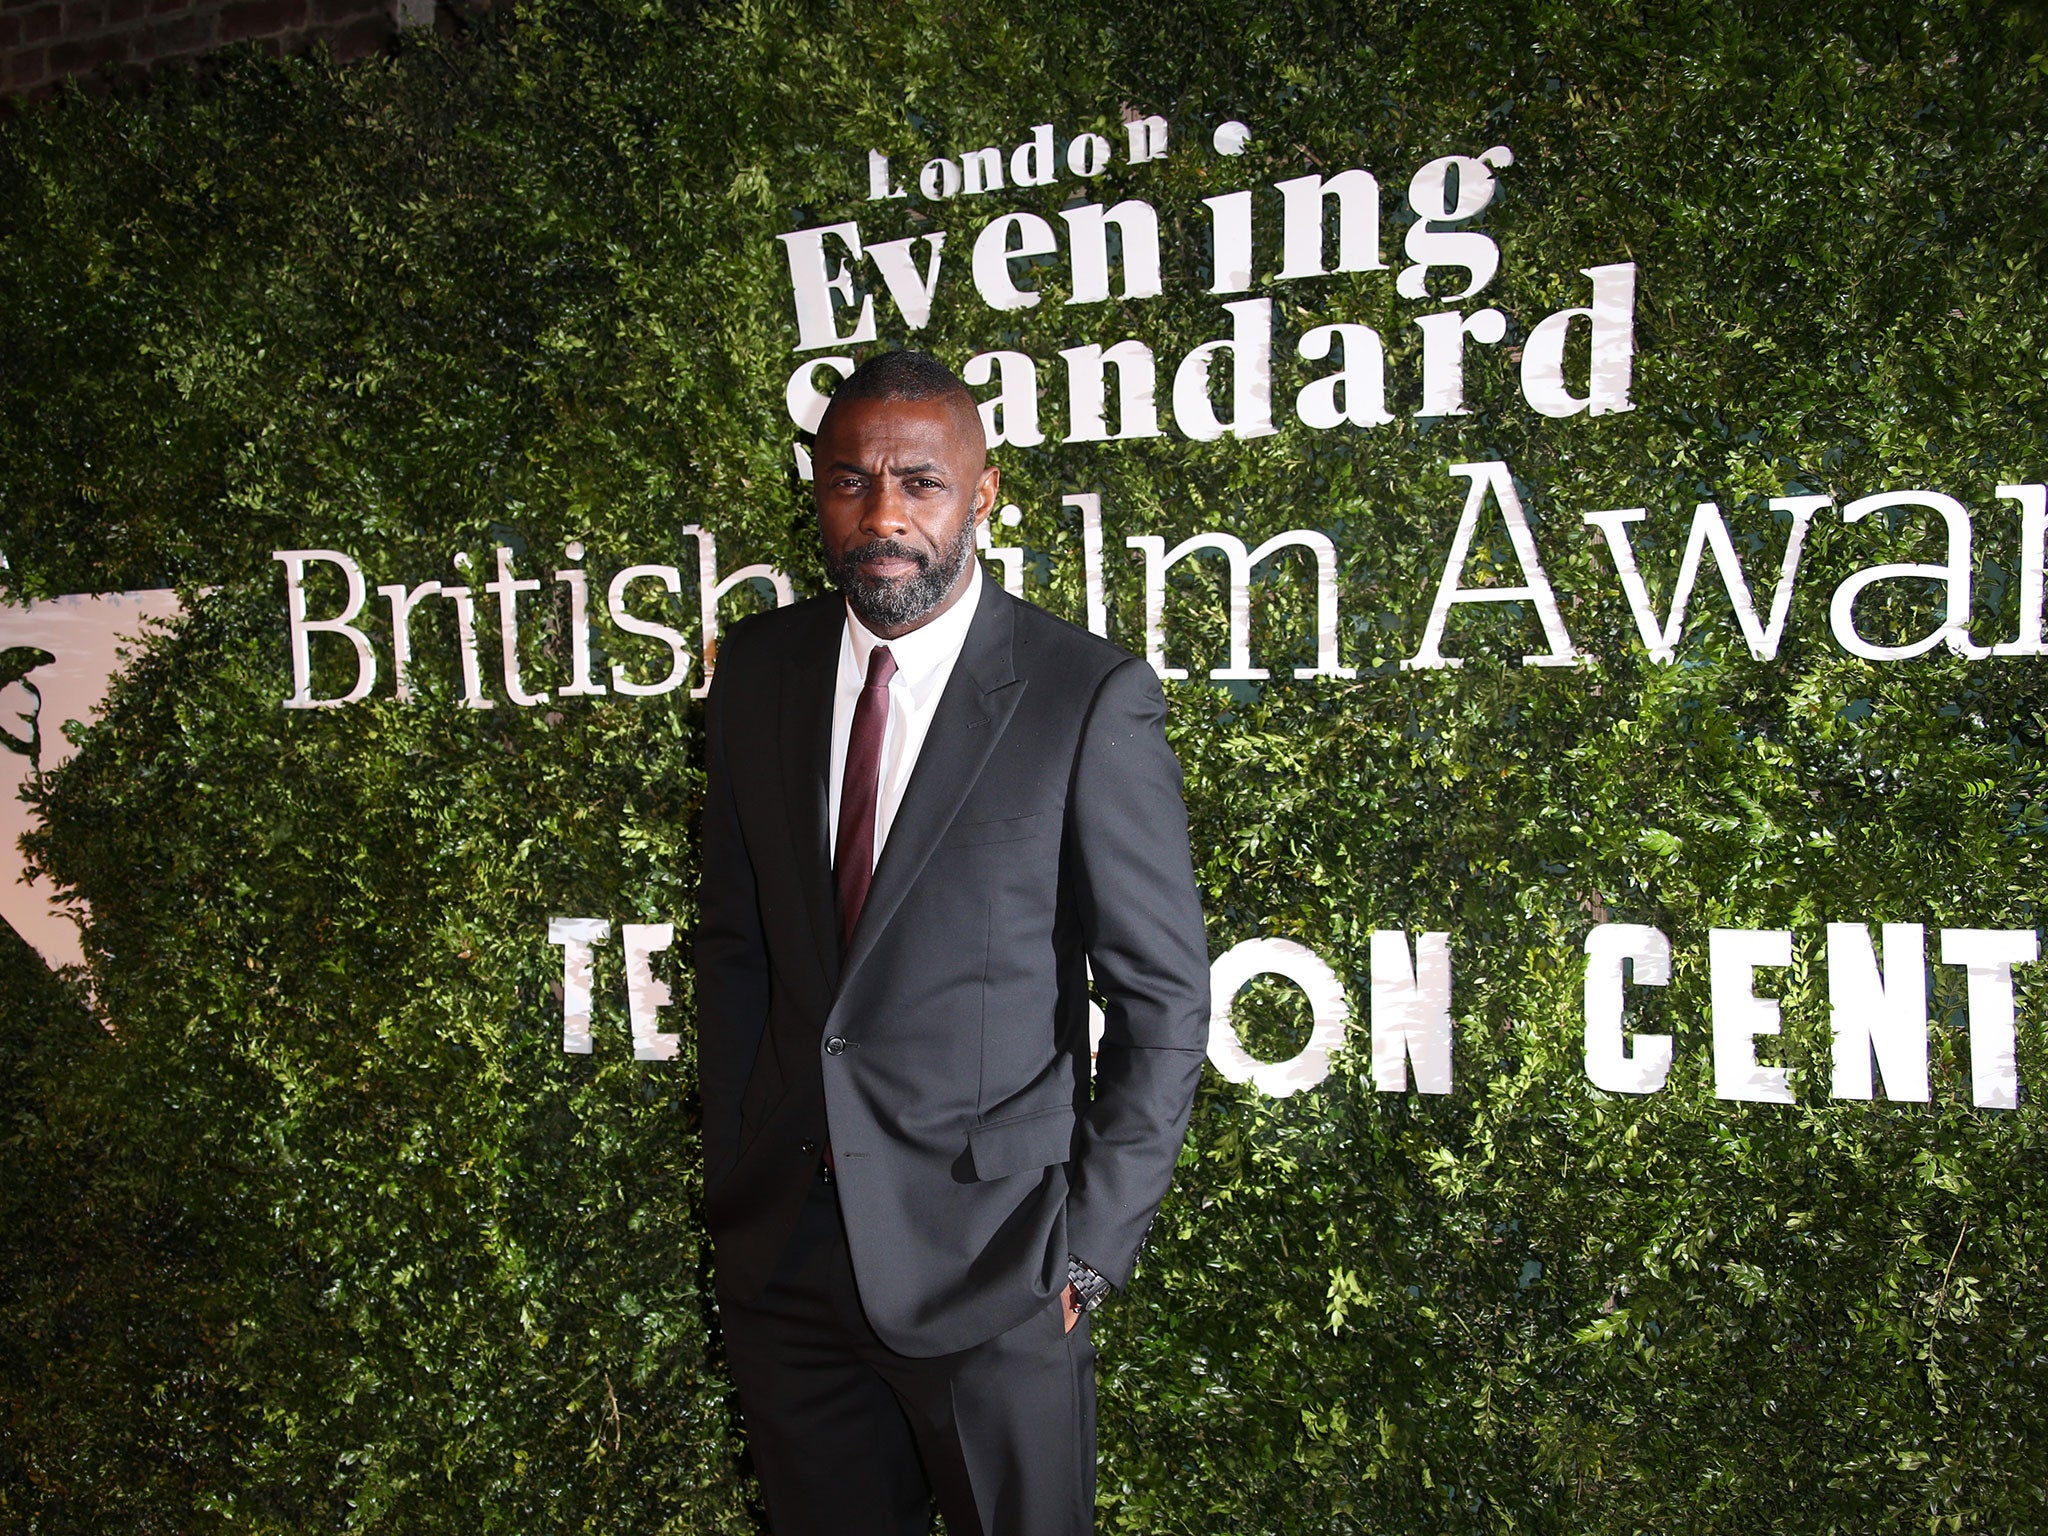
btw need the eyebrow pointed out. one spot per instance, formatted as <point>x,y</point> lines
<point>928,467</point>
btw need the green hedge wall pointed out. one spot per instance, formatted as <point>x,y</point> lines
<point>324,1232</point>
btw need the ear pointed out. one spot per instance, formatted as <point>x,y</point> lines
<point>985,492</point>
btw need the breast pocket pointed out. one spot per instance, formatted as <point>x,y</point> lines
<point>1010,829</point>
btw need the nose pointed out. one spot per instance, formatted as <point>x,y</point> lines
<point>885,514</point>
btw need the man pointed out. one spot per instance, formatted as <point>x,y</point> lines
<point>930,809</point>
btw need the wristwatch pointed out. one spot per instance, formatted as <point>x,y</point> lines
<point>1089,1286</point>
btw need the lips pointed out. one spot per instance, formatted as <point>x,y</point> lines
<point>883,561</point>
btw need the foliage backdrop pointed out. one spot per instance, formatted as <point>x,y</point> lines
<point>328,1234</point>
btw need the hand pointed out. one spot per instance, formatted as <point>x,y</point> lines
<point>1067,1306</point>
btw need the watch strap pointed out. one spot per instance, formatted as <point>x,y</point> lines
<point>1089,1286</point>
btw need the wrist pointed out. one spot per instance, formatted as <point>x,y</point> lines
<point>1087,1283</point>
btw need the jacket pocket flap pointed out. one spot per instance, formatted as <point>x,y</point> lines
<point>1010,829</point>
<point>1026,1141</point>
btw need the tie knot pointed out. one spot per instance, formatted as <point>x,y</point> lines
<point>881,667</point>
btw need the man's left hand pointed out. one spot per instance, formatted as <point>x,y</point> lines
<point>1069,1306</point>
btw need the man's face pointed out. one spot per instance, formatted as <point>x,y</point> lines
<point>901,486</point>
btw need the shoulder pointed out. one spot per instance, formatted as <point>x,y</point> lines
<point>764,639</point>
<point>1048,643</point>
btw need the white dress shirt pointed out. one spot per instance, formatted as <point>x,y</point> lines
<point>924,661</point>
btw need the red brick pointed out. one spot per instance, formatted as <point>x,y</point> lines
<point>359,38</point>
<point>260,18</point>
<point>327,13</point>
<point>27,68</point>
<point>42,23</point>
<point>83,16</point>
<point>165,7</point>
<point>10,32</point>
<point>76,55</point>
<point>125,13</point>
<point>180,34</point>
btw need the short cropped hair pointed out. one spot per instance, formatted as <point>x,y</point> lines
<point>901,375</point>
<point>907,375</point>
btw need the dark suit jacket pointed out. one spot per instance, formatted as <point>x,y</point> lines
<point>945,1055</point>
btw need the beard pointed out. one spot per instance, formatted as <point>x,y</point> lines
<point>891,602</point>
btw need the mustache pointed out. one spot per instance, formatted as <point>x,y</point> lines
<point>884,549</point>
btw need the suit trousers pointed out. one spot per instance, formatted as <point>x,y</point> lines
<point>850,1438</point>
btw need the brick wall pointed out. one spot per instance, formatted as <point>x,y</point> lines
<point>44,41</point>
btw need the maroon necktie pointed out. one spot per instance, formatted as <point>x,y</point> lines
<point>855,869</point>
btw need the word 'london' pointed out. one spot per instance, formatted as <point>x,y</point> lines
<point>1877,1007</point>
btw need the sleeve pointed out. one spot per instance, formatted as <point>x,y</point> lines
<point>731,950</point>
<point>1141,923</point>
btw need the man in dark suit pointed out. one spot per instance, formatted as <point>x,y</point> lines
<point>931,808</point>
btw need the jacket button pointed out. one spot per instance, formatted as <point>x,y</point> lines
<point>807,1147</point>
<point>835,1046</point>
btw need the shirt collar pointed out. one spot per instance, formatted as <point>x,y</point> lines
<point>922,653</point>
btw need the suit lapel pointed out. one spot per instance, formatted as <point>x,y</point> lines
<point>972,714</point>
<point>809,676</point>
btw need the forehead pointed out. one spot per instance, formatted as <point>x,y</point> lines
<point>940,429</point>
